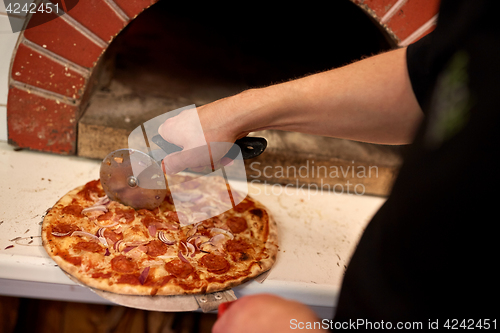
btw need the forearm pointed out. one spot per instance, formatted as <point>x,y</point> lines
<point>370,100</point>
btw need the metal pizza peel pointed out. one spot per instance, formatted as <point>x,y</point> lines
<point>134,176</point>
<point>177,303</point>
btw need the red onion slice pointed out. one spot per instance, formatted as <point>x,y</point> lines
<point>191,248</point>
<point>107,252</point>
<point>103,241</point>
<point>86,234</point>
<point>60,234</point>
<point>101,208</point>
<point>128,248</point>
<point>100,232</point>
<point>181,257</point>
<point>198,241</point>
<point>144,275</point>
<point>218,241</point>
<point>164,239</point>
<point>103,201</point>
<point>202,247</point>
<point>194,229</point>
<point>152,230</point>
<point>219,238</point>
<point>223,231</point>
<point>116,246</point>
<point>185,247</point>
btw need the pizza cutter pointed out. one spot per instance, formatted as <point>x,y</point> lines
<point>135,178</point>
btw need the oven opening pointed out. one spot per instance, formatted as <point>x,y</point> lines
<point>176,54</point>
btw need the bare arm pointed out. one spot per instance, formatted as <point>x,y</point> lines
<point>370,100</point>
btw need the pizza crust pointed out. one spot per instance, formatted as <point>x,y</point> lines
<point>61,250</point>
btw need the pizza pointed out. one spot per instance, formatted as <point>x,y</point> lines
<point>108,246</point>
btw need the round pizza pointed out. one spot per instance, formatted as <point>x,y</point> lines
<point>112,247</point>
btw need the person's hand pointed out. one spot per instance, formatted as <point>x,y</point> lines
<point>264,313</point>
<point>192,130</point>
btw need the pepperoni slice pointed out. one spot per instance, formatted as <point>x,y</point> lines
<point>125,215</point>
<point>150,220</point>
<point>77,261</point>
<point>73,209</point>
<point>158,223</point>
<point>105,217</point>
<point>238,249</point>
<point>112,236</point>
<point>64,228</point>
<point>123,264</point>
<point>237,224</point>
<point>89,247</point>
<point>172,216</point>
<point>156,248</point>
<point>91,187</point>
<point>215,264</point>
<point>179,268</point>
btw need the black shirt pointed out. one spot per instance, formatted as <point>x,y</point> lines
<point>431,250</point>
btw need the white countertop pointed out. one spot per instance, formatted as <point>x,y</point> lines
<point>318,231</point>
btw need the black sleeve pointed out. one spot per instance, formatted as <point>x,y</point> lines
<point>420,70</point>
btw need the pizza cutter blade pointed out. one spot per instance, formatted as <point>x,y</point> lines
<point>133,178</point>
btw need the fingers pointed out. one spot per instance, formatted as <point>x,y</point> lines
<point>196,158</point>
<point>262,313</point>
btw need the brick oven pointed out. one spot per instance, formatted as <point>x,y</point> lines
<point>80,82</point>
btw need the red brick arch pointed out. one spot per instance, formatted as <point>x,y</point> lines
<point>405,20</point>
<point>53,62</point>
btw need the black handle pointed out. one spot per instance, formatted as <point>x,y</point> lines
<point>165,145</point>
<point>250,146</point>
